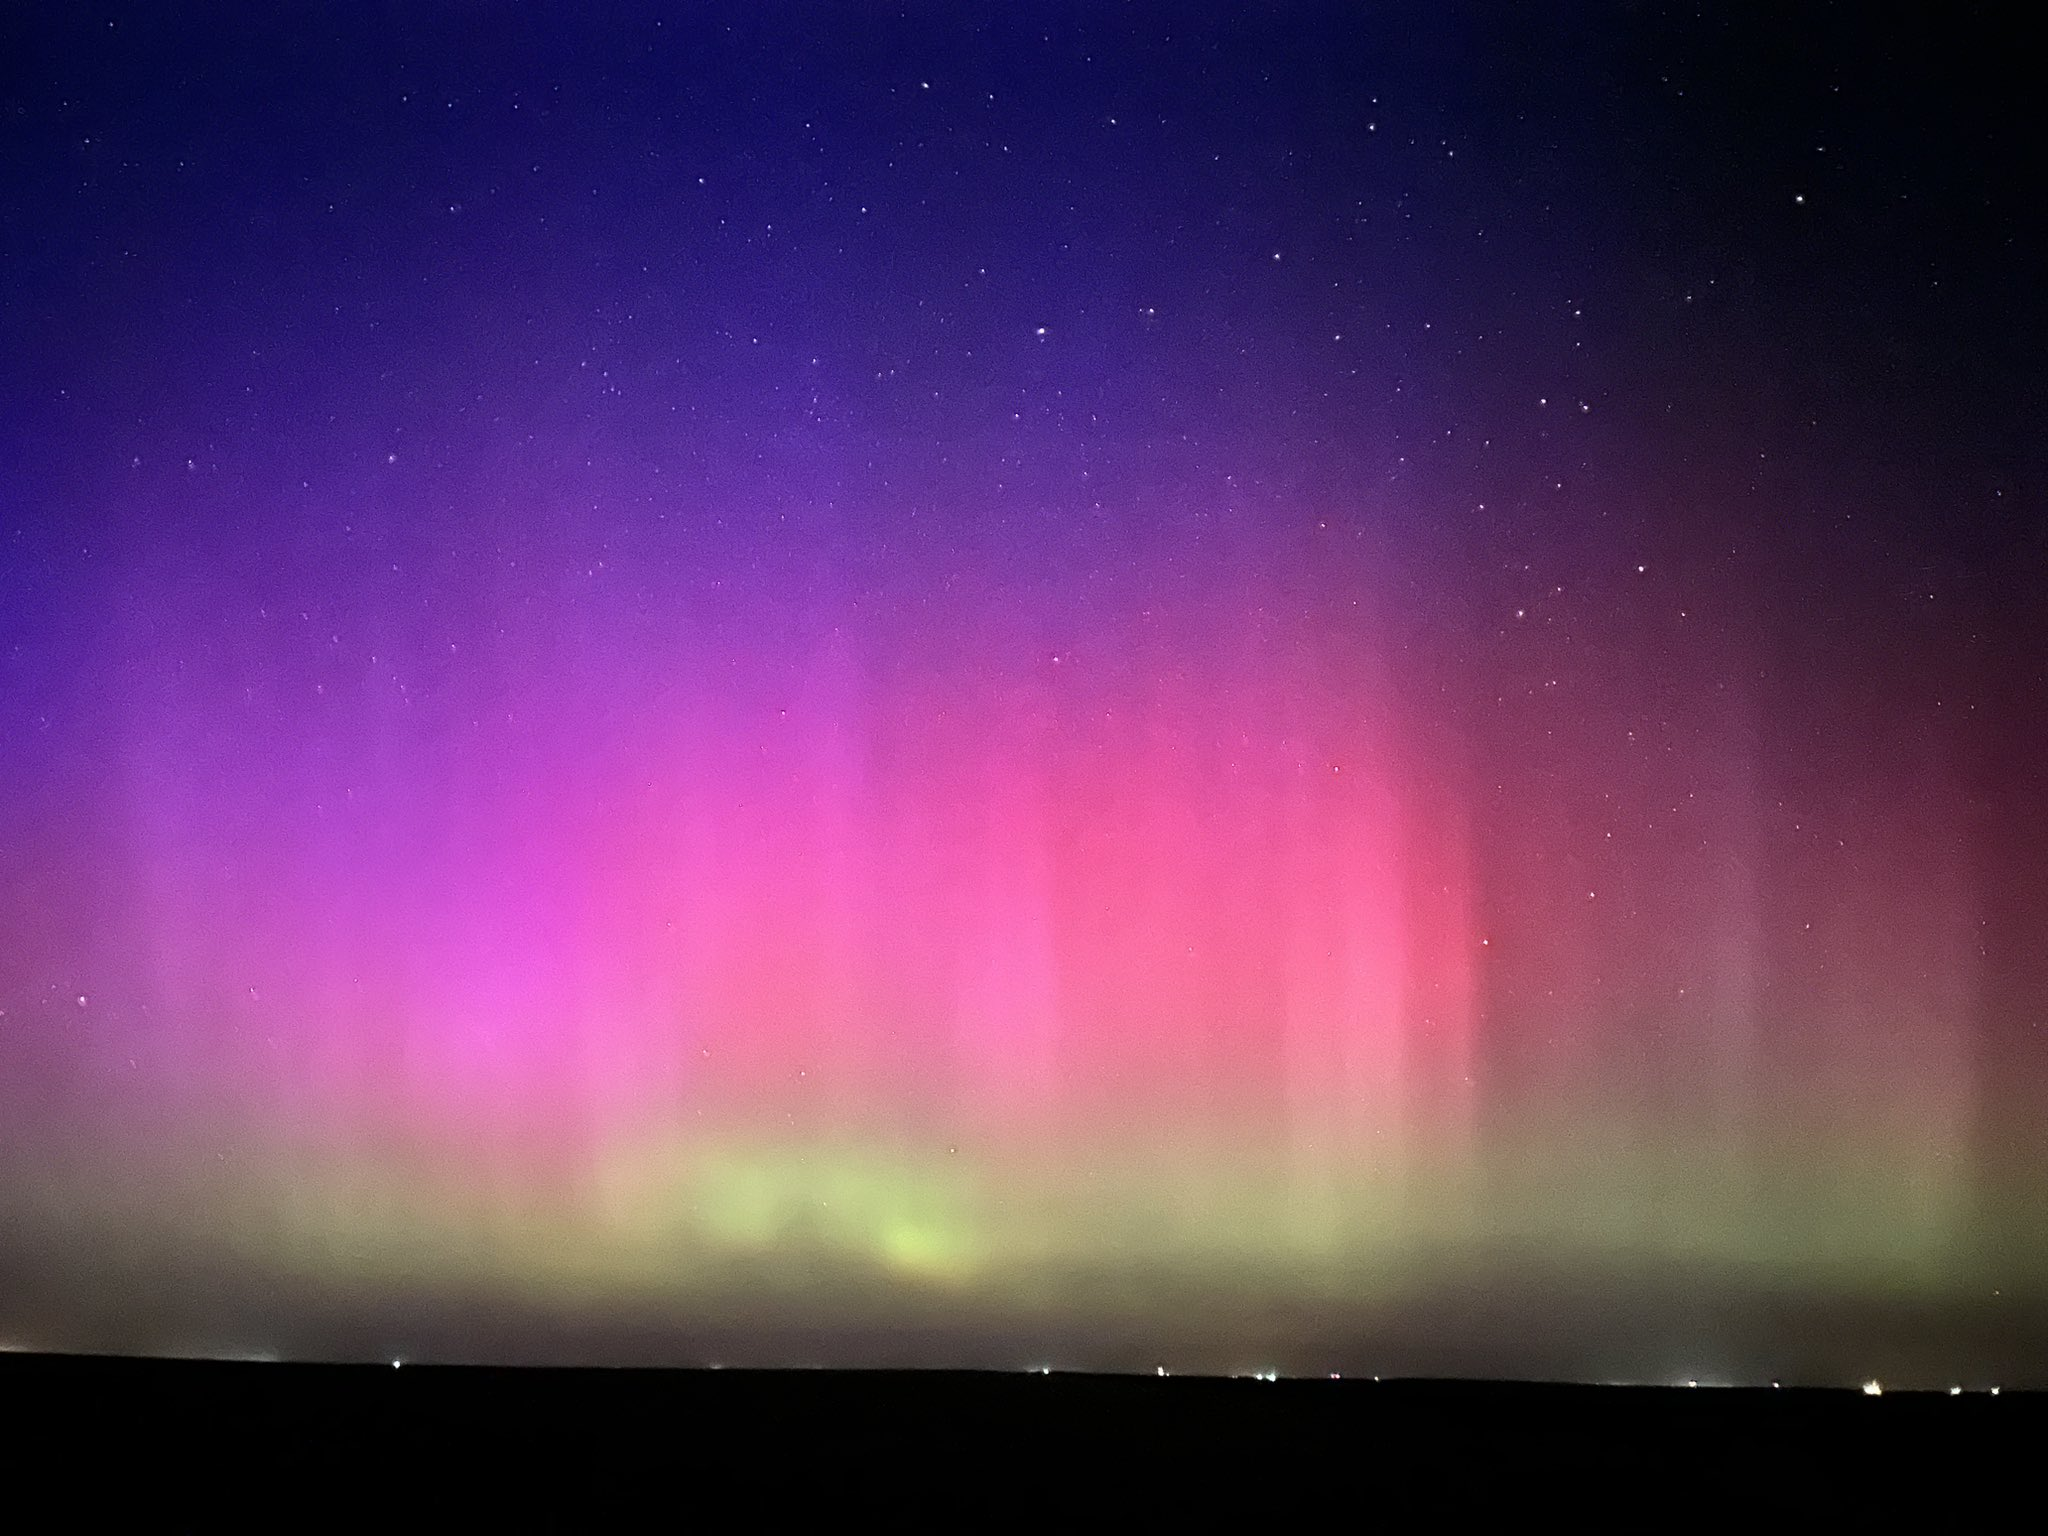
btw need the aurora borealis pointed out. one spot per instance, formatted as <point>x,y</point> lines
<point>1072,676</point>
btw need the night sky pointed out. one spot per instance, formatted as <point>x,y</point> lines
<point>1286,687</point>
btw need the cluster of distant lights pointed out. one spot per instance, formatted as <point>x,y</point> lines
<point>1871,1388</point>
